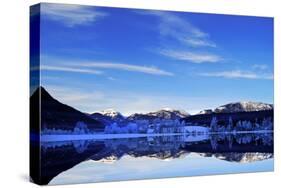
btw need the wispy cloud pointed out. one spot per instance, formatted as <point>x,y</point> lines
<point>71,15</point>
<point>96,67</point>
<point>174,26</point>
<point>67,69</point>
<point>187,36</point>
<point>238,74</point>
<point>260,66</point>
<point>192,57</point>
<point>200,43</point>
<point>125,67</point>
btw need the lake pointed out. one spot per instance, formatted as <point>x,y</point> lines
<point>82,161</point>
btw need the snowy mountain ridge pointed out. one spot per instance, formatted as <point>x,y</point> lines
<point>207,111</point>
<point>110,113</point>
<point>108,116</point>
<point>165,113</point>
<point>243,107</point>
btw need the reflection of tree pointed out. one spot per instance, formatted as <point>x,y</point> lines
<point>214,124</point>
<point>230,140</point>
<point>81,145</point>
<point>244,138</point>
<point>214,141</point>
<point>230,124</point>
<point>266,139</point>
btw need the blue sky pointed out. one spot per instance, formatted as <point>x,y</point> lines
<point>95,58</point>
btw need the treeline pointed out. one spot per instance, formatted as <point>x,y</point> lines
<point>241,125</point>
<point>223,118</point>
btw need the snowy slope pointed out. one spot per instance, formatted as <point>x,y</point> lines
<point>111,113</point>
<point>243,107</point>
<point>108,116</point>
<point>165,113</point>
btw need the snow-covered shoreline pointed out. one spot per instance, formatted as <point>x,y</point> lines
<point>73,137</point>
<point>243,132</point>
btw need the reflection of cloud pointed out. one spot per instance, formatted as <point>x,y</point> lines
<point>238,74</point>
<point>192,56</point>
<point>126,67</point>
<point>70,15</point>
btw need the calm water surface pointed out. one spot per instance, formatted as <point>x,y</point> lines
<point>155,157</point>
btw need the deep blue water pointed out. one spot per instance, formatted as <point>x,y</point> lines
<point>83,161</point>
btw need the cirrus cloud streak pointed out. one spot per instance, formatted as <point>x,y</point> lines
<point>71,15</point>
<point>126,67</point>
<point>238,74</point>
<point>192,57</point>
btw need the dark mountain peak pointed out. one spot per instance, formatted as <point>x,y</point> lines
<point>56,115</point>
<point>43,93</point>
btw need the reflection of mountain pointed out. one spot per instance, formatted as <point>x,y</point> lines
<point>55,115</point>
<point>57,157</point>
<point>240,157</point>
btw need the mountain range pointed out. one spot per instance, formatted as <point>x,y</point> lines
<point>250,109</point>
<point>55,114</point>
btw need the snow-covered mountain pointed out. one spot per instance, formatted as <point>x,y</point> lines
<point>208,111</point>
<point>165,113</point>
<point>168,113</point>
<point>243,107</point>
<point>108,116</point>
<point>111,113</point>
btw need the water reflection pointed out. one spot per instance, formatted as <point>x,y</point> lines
<point>57,157</point>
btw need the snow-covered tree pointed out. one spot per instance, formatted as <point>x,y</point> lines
<point>249,126</point>
<point>238,126</point>
<point>132,128</point>
<point>214,124</point>
<point>267,124</point>
<point>256,125</point>
<point>81,128</point>
<point>230,124</point>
